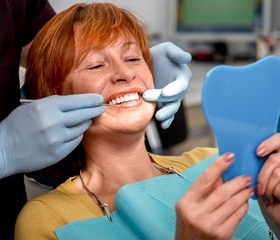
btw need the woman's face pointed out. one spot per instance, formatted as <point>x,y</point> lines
<point>120,74</point>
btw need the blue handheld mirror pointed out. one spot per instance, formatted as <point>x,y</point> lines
<point>242,107</point>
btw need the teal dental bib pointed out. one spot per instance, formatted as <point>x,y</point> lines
<point>146,210</point>
<point>242,106</point>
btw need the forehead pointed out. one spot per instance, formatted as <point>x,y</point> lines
<point>92,38</point>
<point>86,44</point>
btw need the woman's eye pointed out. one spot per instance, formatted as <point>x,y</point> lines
<point>95,66</point>
<point>134,59</point>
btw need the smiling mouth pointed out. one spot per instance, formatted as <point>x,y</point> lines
<point>124,99</point>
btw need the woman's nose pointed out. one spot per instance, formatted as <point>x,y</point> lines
<point>122,73</point>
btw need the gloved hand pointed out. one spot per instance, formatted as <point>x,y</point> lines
<point>171,76</point>
<point>41,133</point>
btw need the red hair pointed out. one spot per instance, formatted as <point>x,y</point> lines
<point>54,51</point>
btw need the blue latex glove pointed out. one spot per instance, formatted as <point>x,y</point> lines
<point>171,76</point>
<point>41,133</point>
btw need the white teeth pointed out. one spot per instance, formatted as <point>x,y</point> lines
<point>125,98</point>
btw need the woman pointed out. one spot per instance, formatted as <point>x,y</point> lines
<point>113,156</point>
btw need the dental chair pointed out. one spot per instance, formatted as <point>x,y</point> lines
<point>158,140</point>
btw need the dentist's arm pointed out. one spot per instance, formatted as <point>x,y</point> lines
<point>172,77</point>
<point>41,133</point>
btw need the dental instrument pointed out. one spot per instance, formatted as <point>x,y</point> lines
<point>31,100</point>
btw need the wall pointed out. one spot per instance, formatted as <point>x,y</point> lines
<point>154,13</point>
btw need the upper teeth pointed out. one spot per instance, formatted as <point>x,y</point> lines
<point>125,98</point>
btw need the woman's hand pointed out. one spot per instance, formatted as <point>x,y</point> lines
<point>268,187</point>
<point>212,209</point>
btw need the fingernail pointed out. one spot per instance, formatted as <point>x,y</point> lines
<point>228,157</point>
<point>261,151</point>
<point>251,190</point>
<point>248,179</point>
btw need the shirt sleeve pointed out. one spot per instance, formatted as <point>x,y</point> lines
<point>37,221</point>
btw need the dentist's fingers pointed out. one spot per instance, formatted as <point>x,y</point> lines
<point>177,55</point>
<point>76,101</point>
<point>167,122</point>
<point>168,110</point>
<point>178,86</point>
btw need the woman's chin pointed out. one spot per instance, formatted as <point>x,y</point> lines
<point>121,123</point>
<point>124,119</point>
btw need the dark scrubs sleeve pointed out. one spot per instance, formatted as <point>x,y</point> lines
<point>36,15</point>
<point>20,20</point>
